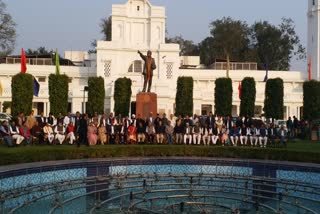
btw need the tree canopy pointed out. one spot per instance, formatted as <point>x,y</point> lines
<point>7,31</point>
<point>106,28</point>
<point>187,47</point>
<point>39,51</point>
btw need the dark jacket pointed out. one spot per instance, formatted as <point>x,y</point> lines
<point>153,64</point>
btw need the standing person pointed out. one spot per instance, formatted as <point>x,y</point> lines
<point>48,133</point>
<point>60,133</point>
<point>103,120</point>
<point>51,120</point>
<point>228,124</point>
<point>21,119</point>
<point>124,132</point>
<point>92,134</point>
<point>295,126</point>
<point>15,134</point>
<point>67,120</point>
<point>112,133</point>
<point>273,134</point>
<point>95,119</point>
<point>283,136</point>
<point>5,133</point>
<point>245,132</point>
<point>263,139</point>
<point>70,133</point>
<point>160,131</point>
<point>151,132</point>
<point>289,127</point>
<point>134,120</point>
<point>214,133</point>
<point>196,131</point>
<point>169,132</point>
<point>42,120</point>
<point>239,122</point>
<point>253,136</point>
<point>210,120</point>
<point>60,118</point>
<point>187,134</point>
<point>178,129</point>
<point>25,132</point>
<point>187,120</point>
<point>132,134</point>
<point>83,130</point>
<point>102,134</point>
<point>157,120</point>
<point>149,67</point>
<point>173,120</point>
<point>205,135</point>
<point>149,118</point>
<point>31,120</point>
<point>164,120</point>
<point>77,120</point>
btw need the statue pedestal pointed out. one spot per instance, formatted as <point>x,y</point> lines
<point>146,103</point>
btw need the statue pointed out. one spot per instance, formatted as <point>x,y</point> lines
<point>149,66</point>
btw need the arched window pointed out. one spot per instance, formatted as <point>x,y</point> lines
<point>135,67</point>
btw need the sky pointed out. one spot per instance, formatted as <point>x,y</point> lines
<point>73,24</point>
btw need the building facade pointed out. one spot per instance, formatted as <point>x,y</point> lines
<point>138,25</point>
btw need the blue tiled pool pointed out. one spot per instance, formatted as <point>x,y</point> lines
<point>164,185</point>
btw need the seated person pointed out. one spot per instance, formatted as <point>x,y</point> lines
<point>48,133</point>
<point>214,133</point>
<point>141,133</point>
<point>206,138</point>
<point>92,134</point>
<point>263,139</point>
<point>102,131</point>
<point>37,133</point>
<point>151,132</point>
<point>60,132</point>
<point>178,129</point>
<point>25,132</point>
<point>112,133</point>
<point>187,134</point>
<point>70,133</point>
<point>253,137</point>
<point>234,135</point>
<point>132,134</point>
<point>5,133</point>
<point>272,133</point>
<point>15,134</point>
<point>169,132</point>
<point>245,133</point>
<point>283,134</point>
<point>124,132</point>
<point>224,135</point>
<point>160,131</point>
<point>196,131</point>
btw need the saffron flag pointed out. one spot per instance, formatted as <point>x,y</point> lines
<point>57,63</point>
<point>267,72</point>
<point>23,62</point>
<point>310,69</point>
<point>240,90</point>
<point>36,87</point>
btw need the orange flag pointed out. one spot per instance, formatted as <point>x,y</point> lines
<point>23,62</point>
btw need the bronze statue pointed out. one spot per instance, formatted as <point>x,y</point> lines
<point>149,66</point>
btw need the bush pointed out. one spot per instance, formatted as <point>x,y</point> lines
<point>122,96</point>
<point>223,97</point>
<point>273,103</point>
<point>22,94</point>
<point>58,93</point>
<point>248,97</point>
<point>96,95</point>
<point>311,99</point>
<point>184,96</point>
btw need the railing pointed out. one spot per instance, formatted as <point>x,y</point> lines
<point>234,66</point>
<point>30,61</point>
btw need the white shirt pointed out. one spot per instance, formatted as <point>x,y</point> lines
<point>12,132</point>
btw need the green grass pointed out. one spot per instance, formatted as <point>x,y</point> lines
<point>300,151</point>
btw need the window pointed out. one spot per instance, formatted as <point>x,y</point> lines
<point>138,8</point>
<point>136,67</point>
<point>169,70</point>
<point>107,68</point>
<point>41,79</point>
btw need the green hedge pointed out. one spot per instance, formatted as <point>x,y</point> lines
<point>96,95</point>
<point>248,97</point>
<point>311,99</point>
<point>184,96</point>
<point>22,94</point>
<point>122,96</point>
<point>58,93</point>
<point>273,103</point>
<point>223,97</point>
<point>52,153</point>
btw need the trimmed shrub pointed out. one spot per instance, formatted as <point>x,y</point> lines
<point>96,95</point>
<point>223,97</point>
<point>273,103</point>
<point>248,97</point>
<point>311,99</point>
<point>22,94</point>
<point>58,93</point>
<point>122,96</point>
<point>184,96</point>
<point>6,105</point>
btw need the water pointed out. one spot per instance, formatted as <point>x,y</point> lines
<point>162,186</point>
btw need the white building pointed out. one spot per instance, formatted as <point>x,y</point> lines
<point>138,25</point>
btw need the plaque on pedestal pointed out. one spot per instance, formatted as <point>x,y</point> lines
<point>146,103</point>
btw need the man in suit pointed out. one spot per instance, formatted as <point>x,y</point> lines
<point>83,129</point>
<point>42,120</point>
<point>149,66</point>
<point>210,120</point>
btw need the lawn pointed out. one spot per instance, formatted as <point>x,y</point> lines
<point>300,151</point>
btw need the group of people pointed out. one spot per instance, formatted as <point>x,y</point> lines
<point>155,129</point>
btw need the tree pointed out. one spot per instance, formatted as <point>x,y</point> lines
<point>230,36</point>
<point>39,51</point>
<point>187,47</point>
<point>7,31</point>
<point>184,96</point>
<point>58,93</point>
<point>276,45</point>
<point>106,28</point>
<point>223,97</point>
<point>6,105</point>
<point>311,99</point>
<point>207,51</point>
<point>122,96</point>
<point>22,94</point>
<point>248,97</point>
<point>273,103</point>
<point>96,95</point>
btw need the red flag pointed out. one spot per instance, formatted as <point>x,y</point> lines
<point>240,90</point>
<point>310,68</point>
<point>23,62</point>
